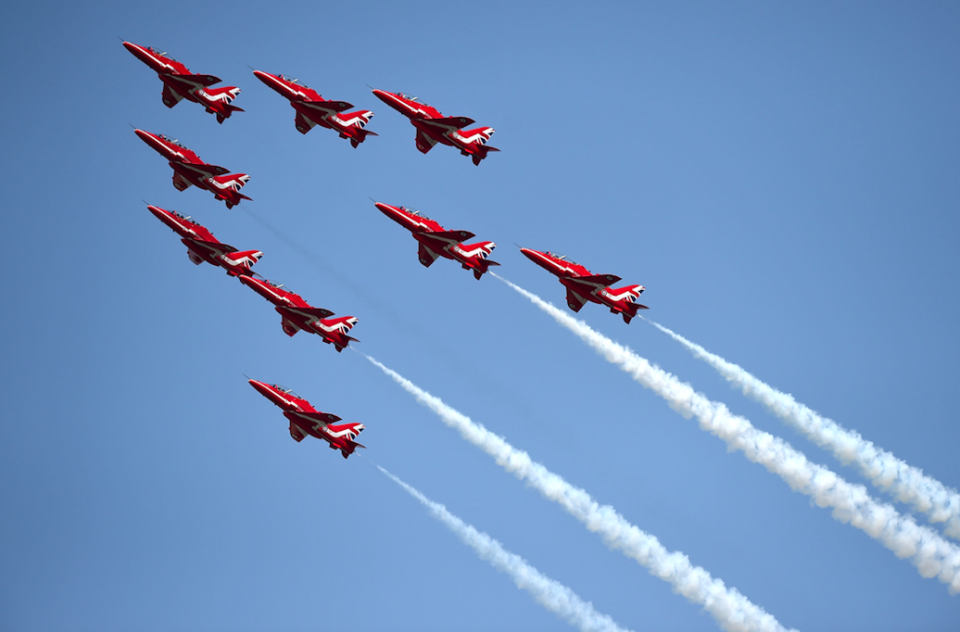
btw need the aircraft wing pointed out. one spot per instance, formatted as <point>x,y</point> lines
<point>329,106</point>
<point>318,418</point>
<point>594,282</point>
<point>458,122</point>
<point>312,312</point>
<point>574,300</point>
<point>427,256</point>
<point>204,170</point>
<point>424,142</point>
<point>212,247</point>
<point>206,80</point>
<point>444,238</point>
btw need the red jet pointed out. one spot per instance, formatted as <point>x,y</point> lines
<point>435,241</point>
<point>179,83</point>
<point>297,314</point>
<point>312,109</point>
<point>582,285</point>
<point>189,170</point>
<point>307,420</point>
<point>433,127</point>
<point>203,246</point>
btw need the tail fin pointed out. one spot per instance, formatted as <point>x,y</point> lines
<point>480,250</point>
<point>356,121</point>
<point>241,262</point>
<point>628,296</point>
<point>347,433</point>
<point>227,187</point>
<point>338,328</point>
<point>217,101</point>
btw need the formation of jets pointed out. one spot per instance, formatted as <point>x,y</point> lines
<point>434,241</point>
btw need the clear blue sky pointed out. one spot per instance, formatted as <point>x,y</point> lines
<point>783,180</point>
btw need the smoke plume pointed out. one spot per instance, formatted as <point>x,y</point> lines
<point>733,611</point>
<point>926,549</point>
<point>906,483</point>
<point>549,593</point>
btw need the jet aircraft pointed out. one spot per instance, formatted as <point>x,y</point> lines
<point>582,285</point>
<point>179,83</point>
<point>433,127</point>
<point>297,314</point>
<point>307,420</point>
<point>435,241</point>
<point>189,170</point>
<point>203,246</point>
<point>312,109</point>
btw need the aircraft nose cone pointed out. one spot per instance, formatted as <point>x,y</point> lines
<point>260,387</point>
<point>384,96</point>
<point>146,137</point>
<point>530,254</point>
<point>263,76</point>
<point>130,47</point>
<point>156,210</point>
<point>383,208</point>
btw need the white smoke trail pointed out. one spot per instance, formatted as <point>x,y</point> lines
<point>549,593</point>
<point>732,610</point>
<point>927,550</point>
<point>906,483</point>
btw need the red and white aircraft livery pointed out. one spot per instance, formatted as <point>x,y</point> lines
<point>436,241</point>
<point>203,246</point>
<point>433,127</point>
<point>307,420</point>
<point>179,83</point>
<point>582,285</point>
<point>297,314</point>
<point>312,109</point>
<point>189,170</point>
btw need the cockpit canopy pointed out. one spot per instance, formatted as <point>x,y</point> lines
<point>410,97</point>
<point>557,255</point>
<point>287,391</point>
<point>414,211</point>
<point>276,285</point>
<point>293,80</point>
<point>172,141</point>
